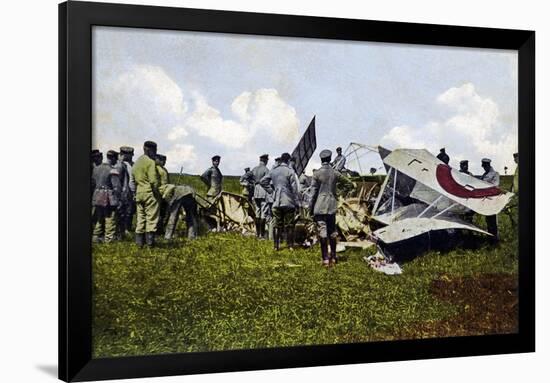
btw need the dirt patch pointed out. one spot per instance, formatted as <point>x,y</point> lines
<point>487,304</point>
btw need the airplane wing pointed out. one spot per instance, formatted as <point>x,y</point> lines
<point>412,227</point>
<point>477,195</point>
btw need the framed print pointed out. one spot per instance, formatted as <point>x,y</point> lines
<point>249,191</point>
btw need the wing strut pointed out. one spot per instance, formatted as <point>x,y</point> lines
<point>429,206</point>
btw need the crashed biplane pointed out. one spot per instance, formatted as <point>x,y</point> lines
<point>421,194</point>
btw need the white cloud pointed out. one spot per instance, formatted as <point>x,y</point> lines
<point>145,103</point>
<point>472,130</point>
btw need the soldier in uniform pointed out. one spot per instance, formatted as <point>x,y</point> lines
<point>282,183</point>
<point>277,162</point>
<point>247,182</point>
<point>491,176</point>
<point>260,196</point>
<point>323,205</point>
<point>96,160</point>
<point>165,190</point>
<point>147,195</point>
<point>105,198</point>
<point>442,156</point>
<point>126,207</point>
<point>213,179</point>
<point>339,161</point>
<point>464,167</point>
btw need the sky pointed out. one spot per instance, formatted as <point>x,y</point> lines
<point>199,94</point>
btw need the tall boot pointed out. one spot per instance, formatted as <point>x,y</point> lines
<point>262,228</point>
<point>276,238</point>
<point>140,239</point>
<point>258,228</point>
<point>324,250</point>
<point>290,237</point>
<point>150,238</point>
<point>333,257</point>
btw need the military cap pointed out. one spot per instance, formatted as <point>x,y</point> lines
<point>285,157</point>
<point>112,153</point>
<point>161,157</point>
<point>216,158</point>
<point>339,148</point>
<point>264,157</point>
<point>150,144</point>
<point>247,169</point>
<point>278,159</point>
<point>126,150</point>
<point>485,161</point>
<point>96,152</point>
<point>463,162</point>
<point>442,150</point>
<point>516,155</point>
<point>325,153</point>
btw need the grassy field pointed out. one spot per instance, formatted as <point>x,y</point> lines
<point>225,291</point>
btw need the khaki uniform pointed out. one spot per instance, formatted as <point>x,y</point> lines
<point>147,182</point>
<point>105,200</point>
<point>339,162</point>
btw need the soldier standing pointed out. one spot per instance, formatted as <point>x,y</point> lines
<point>442,156</point>
<point>97,158</point>
<point>491,176</point>
<point>126,207</point>
<point>213,179</point>
<point>147,195</point>
<point>339,161</point>
<point>464,167</point>
<point>323,205</point>
<point>515,183</point>
<point>282,182</point>
<point>165,190</point>
<point>247,182</point>
<point>105,198</point>
<point>261,207</point>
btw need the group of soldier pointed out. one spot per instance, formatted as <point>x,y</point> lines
<point>122,188</point>
<point>491,176</point>
<point>279,195</point>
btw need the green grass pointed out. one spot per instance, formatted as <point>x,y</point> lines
<point>225,291</point>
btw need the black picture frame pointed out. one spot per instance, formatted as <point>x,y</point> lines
<point>75,101</point>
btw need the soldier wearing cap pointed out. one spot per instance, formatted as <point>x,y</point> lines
<point>247,182</point>
<point>165,189</point>
<point>515,183</point>
<point>213,179</point>
<point>106,198</point>
<point>126,208</point>
<point>282,183</point>
<point>491,176</point>
<point>147,195</point>
<point>96,159</point>
<point>442,156</point>
<point>339,161</point>
<point>464,167</point>
<point>277,163</point>
<point>260,195</point>
<point>323,205</point>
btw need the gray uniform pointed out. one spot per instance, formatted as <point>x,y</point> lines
<point>213,178</point>
<point>105,199</point>
<point>260,194</point>
<point>282,183</point>
<point>126,207</point>
<point>491,176</point>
